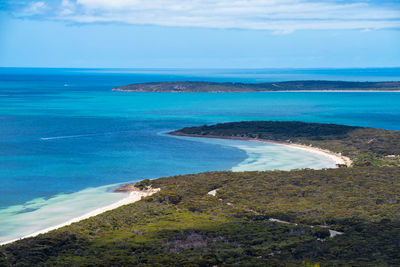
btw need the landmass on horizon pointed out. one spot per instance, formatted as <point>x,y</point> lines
<point>229,87</point>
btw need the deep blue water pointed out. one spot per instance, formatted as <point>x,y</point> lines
<point>64,130</point>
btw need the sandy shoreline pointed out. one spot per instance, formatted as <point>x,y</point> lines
<point>136,195</point>
<point>133,196</point>
<point>338,158</point>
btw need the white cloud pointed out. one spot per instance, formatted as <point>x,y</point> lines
<point>111,4</point>
<point>67,8</point>
<point>280,16</point>
<point>34,8</point>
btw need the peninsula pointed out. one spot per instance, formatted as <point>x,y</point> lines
<point>330,217</point>
<point>213,87</point>
<point>362,145</point>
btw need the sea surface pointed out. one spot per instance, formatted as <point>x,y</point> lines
<point>66,140</point>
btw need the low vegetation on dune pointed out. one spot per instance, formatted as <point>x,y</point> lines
<point>332,217</point>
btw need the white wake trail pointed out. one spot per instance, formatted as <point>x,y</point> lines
<point>81,135</point>
<point>68,136</point>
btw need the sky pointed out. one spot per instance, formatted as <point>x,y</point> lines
<point>200,33</point>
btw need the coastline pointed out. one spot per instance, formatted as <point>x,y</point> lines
<point>136,194</point>
<point>133,196</point>
<point>279,86</point>
<point>271,91</point>
<point>338,158</point>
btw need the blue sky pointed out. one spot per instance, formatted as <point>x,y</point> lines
<point>200,33</point>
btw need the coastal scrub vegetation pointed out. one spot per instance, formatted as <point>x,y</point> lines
<point>364,146</point>
<point>227,87</point>
<point>330,217</point>
<point>184,225</point>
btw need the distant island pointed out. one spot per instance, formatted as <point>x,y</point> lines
<point>228,87</point>
<point>330,217</point>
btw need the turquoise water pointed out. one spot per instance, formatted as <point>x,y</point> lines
<point>66,139</point>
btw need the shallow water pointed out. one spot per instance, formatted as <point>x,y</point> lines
<point>64,131</point>
<point>265,156</point>
<point>38,214</point>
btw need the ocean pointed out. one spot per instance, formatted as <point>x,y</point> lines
<point>66,139</point>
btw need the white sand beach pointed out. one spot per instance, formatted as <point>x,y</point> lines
<point>336,157</point>
<point>132,197</point>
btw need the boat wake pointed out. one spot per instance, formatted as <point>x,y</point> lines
<point>68,136</point>
<point>80,135</point>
